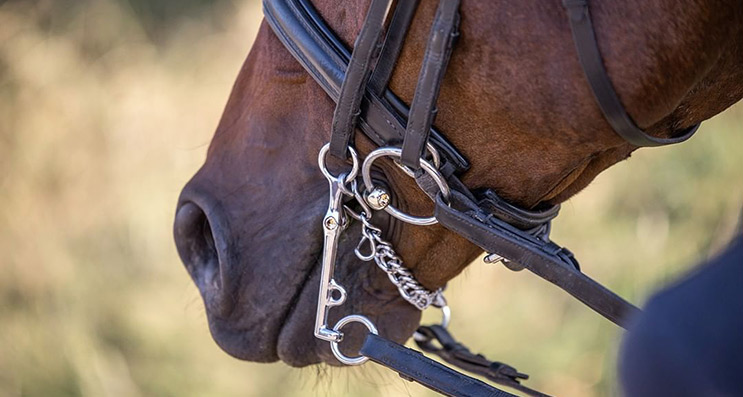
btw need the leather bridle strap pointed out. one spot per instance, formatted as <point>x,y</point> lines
<point>435,339</point>
<point>611,106</point>
<point>321,53</point>
<point>543,258</point>
<point>414,366</point>
<point>521,236</point>
<point>357,74</point>
<point>393,42</point>
<point>444,31</point>
<point>313,44</point>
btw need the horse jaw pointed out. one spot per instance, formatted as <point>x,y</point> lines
<point>248,224</point>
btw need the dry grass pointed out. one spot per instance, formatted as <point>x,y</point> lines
<point>101,124</point>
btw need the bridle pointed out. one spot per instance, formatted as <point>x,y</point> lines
<point>517,237</point>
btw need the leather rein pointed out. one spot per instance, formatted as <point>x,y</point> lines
<point>357,81</point>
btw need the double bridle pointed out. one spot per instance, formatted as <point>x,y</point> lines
<point>518,238</point>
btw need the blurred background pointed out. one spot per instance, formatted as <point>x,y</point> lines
<point>106,110</point>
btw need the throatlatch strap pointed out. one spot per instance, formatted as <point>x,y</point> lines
<point>414,366</point>
<point>352,90</point>
<point>444,30</point>
<point>396,32</point>
<point>601,87</point>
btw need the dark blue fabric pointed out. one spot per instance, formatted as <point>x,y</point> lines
<point>689,340</point>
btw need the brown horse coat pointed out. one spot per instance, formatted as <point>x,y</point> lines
<point>514,101</point>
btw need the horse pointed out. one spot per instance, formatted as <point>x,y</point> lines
<point>514,101</point>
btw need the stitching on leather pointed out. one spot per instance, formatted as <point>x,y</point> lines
<point>347,102</point>
<point>284,38</point>
<point>576,276</point>
<point>474,228</point>
<point>417,357</point>
<point>384,115</point>
<point>371,129</point>
<point>430,73</point>
<point>333,90</point>
<point>318,40</point>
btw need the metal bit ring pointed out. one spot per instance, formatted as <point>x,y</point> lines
<point>353,318</point>
<point>429,168</point>
<point>351,175</point>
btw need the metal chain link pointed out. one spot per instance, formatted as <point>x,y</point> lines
<point>384,255</point>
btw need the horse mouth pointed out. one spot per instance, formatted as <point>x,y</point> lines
<point>247,316</point>
<point>259,280</point>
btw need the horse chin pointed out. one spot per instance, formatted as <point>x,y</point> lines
<point>369,293</point>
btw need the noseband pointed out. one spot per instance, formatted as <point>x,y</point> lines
<point>518,238</point>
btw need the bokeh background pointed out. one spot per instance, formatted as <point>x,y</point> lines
<point>106,110</point>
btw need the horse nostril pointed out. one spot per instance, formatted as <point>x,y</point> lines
<point>196,246</point>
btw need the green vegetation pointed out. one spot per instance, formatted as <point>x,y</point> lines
<point>106,110</point>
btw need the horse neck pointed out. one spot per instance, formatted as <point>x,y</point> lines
<point>667,60</point>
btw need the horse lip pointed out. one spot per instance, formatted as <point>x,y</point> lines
<point>291,310</point>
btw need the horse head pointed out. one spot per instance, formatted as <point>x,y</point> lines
<point>514,102</point>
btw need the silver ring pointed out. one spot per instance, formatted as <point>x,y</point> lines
<point>427,166</point>
<point>435,157</point>
<point>445,320</point>
<point>445,316</point>
<point>353,318</point>
<point>445,310</point>
<point>349,176</point>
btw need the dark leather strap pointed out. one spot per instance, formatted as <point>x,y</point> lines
<point>393,42</point>
<point>521,218</point>
<point>311,42</point>
<point>435,339</point>
<point>357,74</point>
<point>444,30</point>
<point>543,258</point>
<point>414,366</point>
<point>303,32</point>
<point>601,86</point>
<point>488,221</point>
